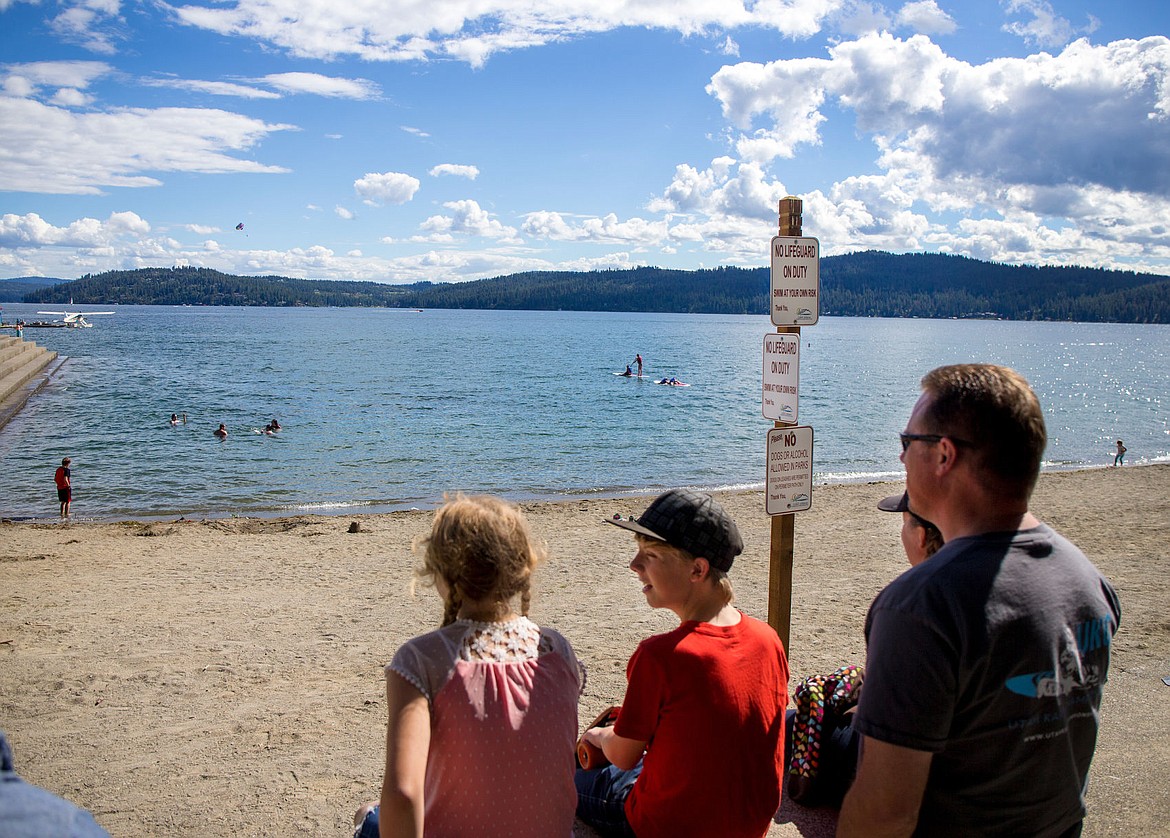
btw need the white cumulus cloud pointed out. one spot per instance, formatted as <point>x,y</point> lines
<point>386,187</point>
<point>1098,112</point>
<point>467,218</point>
<point>455,169</point>
<point>23,80</point>
<point>607,229</point>
<point>926,17</point>
<point>1041,26</point>
<point>1062,155</point>
<point>32,231</point>
<point>68,97</point>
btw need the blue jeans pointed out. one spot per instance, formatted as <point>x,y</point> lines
<point>601,798</point>
<point>368,828</point>
<point>27,811</point>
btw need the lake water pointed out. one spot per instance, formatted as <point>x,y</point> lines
<point>388,409</point>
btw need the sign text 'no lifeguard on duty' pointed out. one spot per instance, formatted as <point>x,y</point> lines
<point>796,280</point>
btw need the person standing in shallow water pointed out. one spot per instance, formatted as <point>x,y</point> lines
<point>64,480</point>
<point>1119,457</point>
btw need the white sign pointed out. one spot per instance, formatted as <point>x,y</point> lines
<point>789,481</point>
<point>781,377</point>
<point>796,281</point>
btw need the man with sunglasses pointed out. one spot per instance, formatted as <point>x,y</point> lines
<point>985,664</point>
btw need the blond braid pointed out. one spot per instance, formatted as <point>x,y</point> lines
<point>451,609</point>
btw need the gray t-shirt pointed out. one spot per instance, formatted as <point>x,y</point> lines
<point>992,655</point>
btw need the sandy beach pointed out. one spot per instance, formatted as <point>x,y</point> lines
<point>224,677</point>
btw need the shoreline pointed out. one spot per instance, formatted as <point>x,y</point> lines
<point>563,425</point>
<point>224,676</point>
<point>338,510</point>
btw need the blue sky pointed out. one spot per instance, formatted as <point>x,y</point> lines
<point>401,140</point>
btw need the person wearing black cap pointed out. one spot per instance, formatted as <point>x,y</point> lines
<point>920,538</point>
<point>819,730</point>
<point>698,745</point>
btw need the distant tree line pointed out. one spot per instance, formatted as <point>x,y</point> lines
<point>715,291</point>
<point>14,290</point>
<point>868,284</point>
<point>204,286</point>
<point>882,284</point>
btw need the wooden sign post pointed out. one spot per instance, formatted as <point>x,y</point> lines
<point>794,299</point>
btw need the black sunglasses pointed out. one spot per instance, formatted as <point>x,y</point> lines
<point>908,438</point>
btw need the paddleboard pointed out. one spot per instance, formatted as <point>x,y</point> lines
<point>631,375</point>
<point>666,383</point>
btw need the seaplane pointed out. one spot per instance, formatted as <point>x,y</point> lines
<point>71,319</point>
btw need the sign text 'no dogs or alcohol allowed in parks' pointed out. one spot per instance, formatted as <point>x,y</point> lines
<point>789,479</point>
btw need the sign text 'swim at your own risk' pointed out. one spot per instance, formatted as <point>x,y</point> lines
<point>781,377</point>
<point>796,280</point>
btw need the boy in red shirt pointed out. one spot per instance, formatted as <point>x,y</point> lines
<point>698,747</point>
<point>64,486</point>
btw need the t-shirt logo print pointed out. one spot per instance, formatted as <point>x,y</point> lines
<point>1076,673</point>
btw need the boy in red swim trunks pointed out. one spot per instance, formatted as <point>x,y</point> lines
<point>64,486</point>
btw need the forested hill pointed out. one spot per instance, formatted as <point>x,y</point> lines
<point>203,286</point>
<point>881,284</point>
<point>869,284</point>
<point>13,290</point>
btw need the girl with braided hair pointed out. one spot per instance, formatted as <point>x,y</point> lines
<point>483,710</point>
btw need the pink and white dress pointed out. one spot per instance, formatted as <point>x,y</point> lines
<point>503,702</point>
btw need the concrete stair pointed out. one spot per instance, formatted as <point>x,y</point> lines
<point>22,363</point>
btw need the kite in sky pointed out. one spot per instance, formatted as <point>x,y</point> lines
<point>240,226</point>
